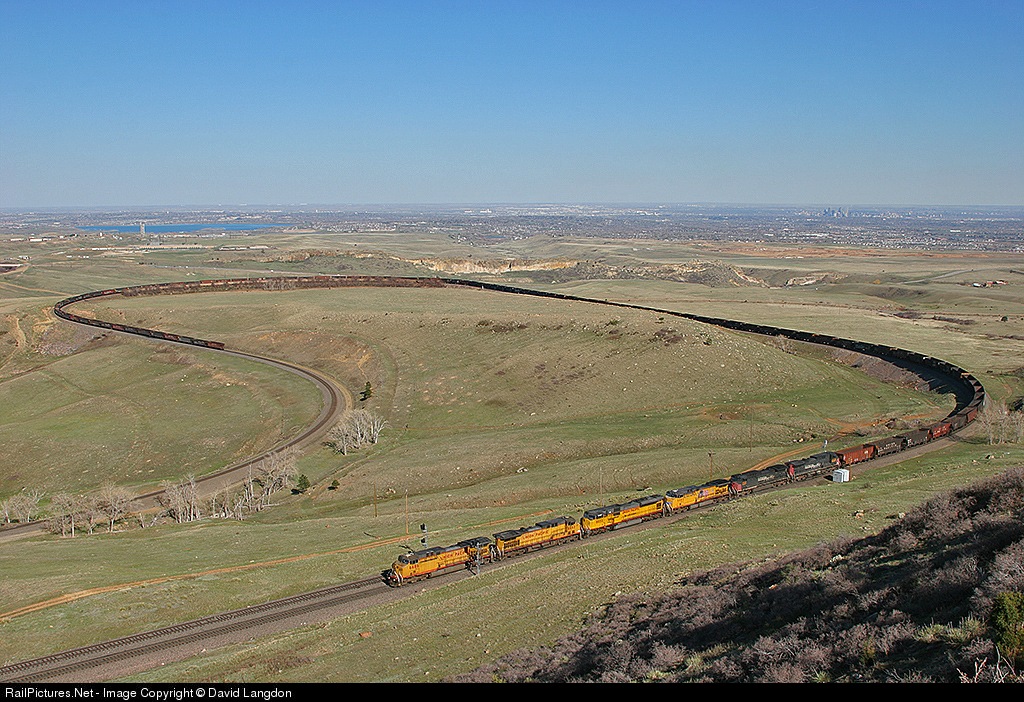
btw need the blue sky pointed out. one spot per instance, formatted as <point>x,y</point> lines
<point>221,102</point>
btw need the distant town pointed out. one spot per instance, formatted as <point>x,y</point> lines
<point>987,228</point>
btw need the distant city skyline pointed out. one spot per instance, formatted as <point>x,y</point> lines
<point>222,103</point>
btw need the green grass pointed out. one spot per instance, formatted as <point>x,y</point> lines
<point>499,408</point>
<point>534,385</point>
<point>134,412</point>
<point>541,410</point>
<point>530,603</point>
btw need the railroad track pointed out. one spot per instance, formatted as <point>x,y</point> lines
<point>86,661</point>
<point>968,390</point>
<point>335,400</point>
<point>63,666</point>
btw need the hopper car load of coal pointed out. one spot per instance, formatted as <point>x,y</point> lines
<point>969,393</point>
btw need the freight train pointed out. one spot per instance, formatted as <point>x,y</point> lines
<point>480,550</point>
<point>220,285</point>
<point>970,397</point>
<point>59,310</point>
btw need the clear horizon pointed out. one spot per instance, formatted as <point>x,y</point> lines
<point>794,103</point>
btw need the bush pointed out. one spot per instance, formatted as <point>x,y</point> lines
<point>1007,624</point>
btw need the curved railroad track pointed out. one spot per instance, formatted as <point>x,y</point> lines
<point>969,392</point>
<point>335,400</point>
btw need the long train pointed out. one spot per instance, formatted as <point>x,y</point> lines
<point>480,550</point>
<point>969,392</point>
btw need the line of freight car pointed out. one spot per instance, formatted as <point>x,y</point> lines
<point>425,563</point>
<point>429,561</point>
<point>140,331</point>
<point>977,391</point>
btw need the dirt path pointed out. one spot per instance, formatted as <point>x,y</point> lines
<point>16,331</point>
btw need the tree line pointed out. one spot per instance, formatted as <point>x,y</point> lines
<point>116,507</point>
<point>1001,424</point>
<point>70,514</point>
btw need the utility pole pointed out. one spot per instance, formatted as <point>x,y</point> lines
<point>711,466</point>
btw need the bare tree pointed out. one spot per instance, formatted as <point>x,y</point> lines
<point>90,512</point>
<point>1001,424</point>
<point>250,489</point>
<point>238,507</point>
<point>229,504</point>
<point>341,437</point>
<point>141,516</point>
<point>182,500</point>
<point>375,425</point>
<point>276,472</point>
<point>989,419</point>
<point>355,429</point>
<point>7,510</point>
<point>23,507</point>
<point>115,503</point>
<point>1015,427</point>
<point>64,513</point>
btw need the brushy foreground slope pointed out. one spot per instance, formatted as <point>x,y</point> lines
<point>912,603</point>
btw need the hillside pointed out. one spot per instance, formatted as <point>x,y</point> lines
<point>912,603</point>
<point>501,412</point>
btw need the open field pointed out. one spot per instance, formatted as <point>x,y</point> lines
<point>500,410</point>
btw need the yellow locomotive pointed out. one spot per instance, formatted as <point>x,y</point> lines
<point>622,515</point>
<point>439,559</point>
<point>690,497</point>
<point>541,534</point>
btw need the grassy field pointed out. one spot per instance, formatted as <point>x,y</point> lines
<point>499,409</point>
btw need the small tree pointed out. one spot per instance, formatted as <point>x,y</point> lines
<point>275,472</point>
<point>278,471</point>
<point>115,503</point>
<point>301,484</point>
<point>1007,624</point>
<point>22,507</point>
<point>355,429</point>
<point>181,500</point>
<point>64,514</point>
<point>1001,424</point>
<point>367,392</point>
